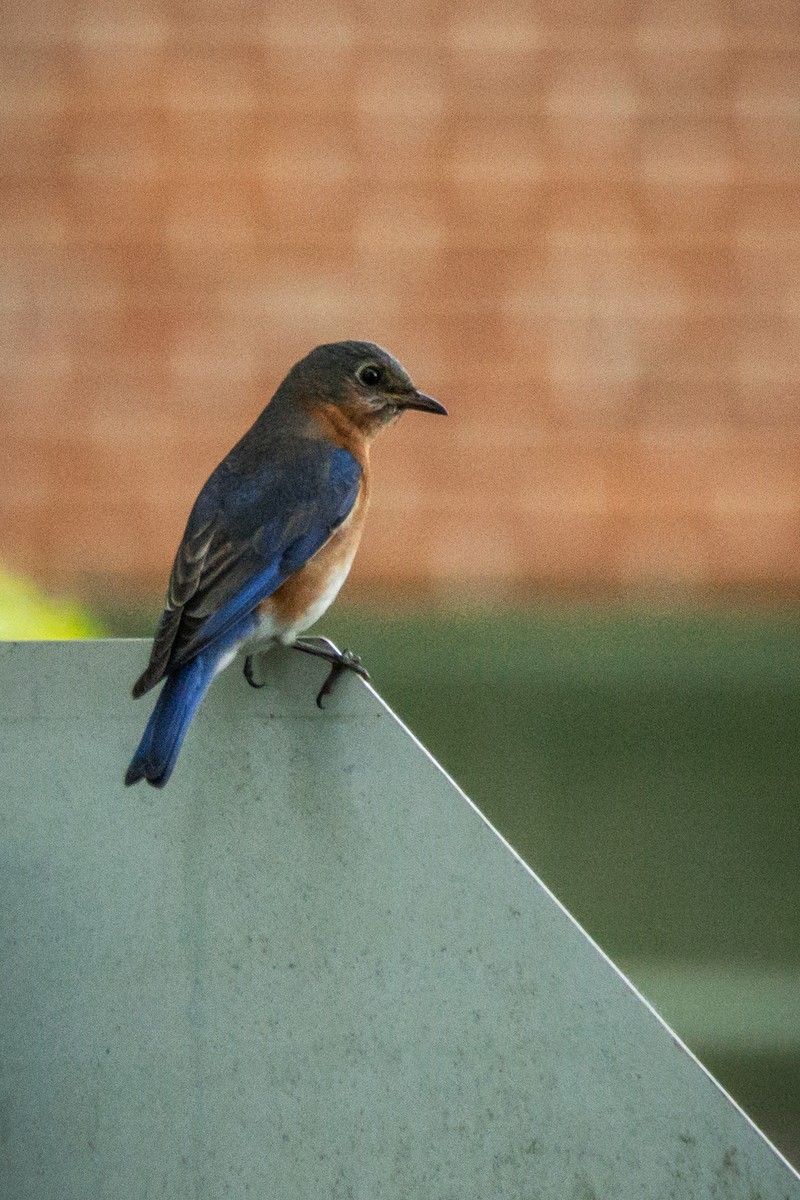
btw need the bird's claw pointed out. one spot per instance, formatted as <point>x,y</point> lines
<point>248,673</point>
<point>347,661</point>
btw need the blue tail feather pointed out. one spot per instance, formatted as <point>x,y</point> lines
<point>163,737</point>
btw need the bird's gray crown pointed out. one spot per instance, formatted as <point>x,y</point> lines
<point>330,370</point>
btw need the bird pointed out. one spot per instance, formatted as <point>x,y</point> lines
<point>271,537</point>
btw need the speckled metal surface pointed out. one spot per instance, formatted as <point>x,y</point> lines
<point>308,968</point>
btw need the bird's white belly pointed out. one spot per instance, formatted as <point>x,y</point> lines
<point>269,631</point>
<point>325,599</point>
<point>265,634</point>
<point>226,660</point>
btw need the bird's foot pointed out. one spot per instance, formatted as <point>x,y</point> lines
<point>340,660</point>
<point>248,673</point>
<point>348,662</point>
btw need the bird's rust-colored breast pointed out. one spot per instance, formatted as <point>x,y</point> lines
<point>303,597</point>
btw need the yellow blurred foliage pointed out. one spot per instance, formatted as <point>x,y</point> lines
<point>28,614</point>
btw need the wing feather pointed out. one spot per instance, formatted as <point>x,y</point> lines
<point>244,536</point>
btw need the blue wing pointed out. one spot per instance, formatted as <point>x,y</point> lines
<point>249,530</point>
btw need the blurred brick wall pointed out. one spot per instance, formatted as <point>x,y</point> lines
<point>577,223</point>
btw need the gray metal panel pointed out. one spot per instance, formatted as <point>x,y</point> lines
<point>309,968</point>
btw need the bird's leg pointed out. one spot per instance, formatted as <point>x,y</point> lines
<point>248,673</point>
<point>340,660</point>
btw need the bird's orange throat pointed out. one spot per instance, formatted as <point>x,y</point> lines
<point>350,427</point>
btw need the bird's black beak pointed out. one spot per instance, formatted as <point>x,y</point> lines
<point>423,403</point>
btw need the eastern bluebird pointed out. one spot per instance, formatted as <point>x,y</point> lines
<point>272,536</point>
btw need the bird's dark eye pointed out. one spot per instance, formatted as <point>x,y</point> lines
<point>369,375</point>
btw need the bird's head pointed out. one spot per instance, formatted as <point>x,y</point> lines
<point>357,382</point>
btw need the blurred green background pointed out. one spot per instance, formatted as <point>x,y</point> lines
<point>645,764</point>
